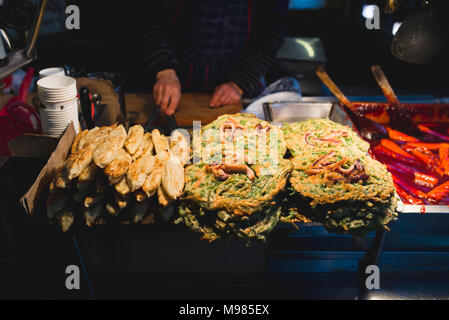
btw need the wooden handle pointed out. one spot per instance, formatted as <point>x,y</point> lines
<point>384,84</point>
<point>322,74</point>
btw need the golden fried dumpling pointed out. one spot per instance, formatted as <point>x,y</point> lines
<point>96,136</point>
<point>77,161</point>
<point>66,217</point>
<point>118,167</point>
<point>139,170</point>
<point>92,200</point>
<point>77,139</point>
<point>163,198</point>
<point>173,177</point>
<point>153,180</point>
<point>121,201</point>
<point>60,180</point>
<point>112,209</point>
<point>134,139</point>
<point>108,149</point>
<point>179,146</point>
<point>92,213</point>
<point>88,173</point>
<point>122,187</point>
<point>160,142</point>
<point>145,147</point>
<point>140,195</point>
<point>87,137</point>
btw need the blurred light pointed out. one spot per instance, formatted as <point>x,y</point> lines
<point>306,4</point>
<point>368,11</point>
<point>307,46</point>
<point>396,26</point>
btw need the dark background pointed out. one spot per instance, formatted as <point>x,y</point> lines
<point>111,33</point>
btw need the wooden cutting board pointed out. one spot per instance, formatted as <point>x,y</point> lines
<point>195,106</point>
<point>192,107</point>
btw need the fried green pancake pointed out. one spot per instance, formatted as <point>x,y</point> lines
<point>334,181</point>
<point>241,132</point>
<point>310,135</point>
<point>213,225</point>
<point>238,194</point>
<point>372,183</point>
<point>221,201</point>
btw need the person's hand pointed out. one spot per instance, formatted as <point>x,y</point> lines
<point>167,91</point>
<point>226,93</point>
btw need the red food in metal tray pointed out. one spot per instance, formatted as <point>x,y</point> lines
<point>419,165</point>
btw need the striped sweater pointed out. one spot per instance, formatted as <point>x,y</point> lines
<point>209,42</point>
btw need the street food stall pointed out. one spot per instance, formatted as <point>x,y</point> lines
<point>280,196</point>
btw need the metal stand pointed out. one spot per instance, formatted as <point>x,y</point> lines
<point>372,257</point>
<point>83,266</point>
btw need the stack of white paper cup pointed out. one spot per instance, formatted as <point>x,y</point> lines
<point>56,71</point>
<point>59,104</point>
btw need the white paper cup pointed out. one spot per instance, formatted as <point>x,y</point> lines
<point>63,115</point>
<point>58,105</point>
<point>51,72</point>
<point>54,88</point>
<point>60,131</point>
<point>55,121</point>
<point>59,91</point>
<point>56,82</point>
<point>50,102</point>
<point>55,91</point>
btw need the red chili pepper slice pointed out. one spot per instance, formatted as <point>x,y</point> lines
<point>425,180</point>
<point>423,145</point>
<point>411,190</point>
<point>382,151</point>
<point>439,192</point>
<point>399,136</point>
<point>433,133</point>
<point>444,158</point>
<point>395,148</point>
<point>430,161</point>
<point>407,198</point>
<point>427,157</point>
<point>420,178</point>
<point>401,169</point>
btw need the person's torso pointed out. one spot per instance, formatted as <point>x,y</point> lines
<point>210,36</point>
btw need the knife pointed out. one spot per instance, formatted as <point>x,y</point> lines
<point>170,119</point>
<point>87,107</point>
<point>172,122</point>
